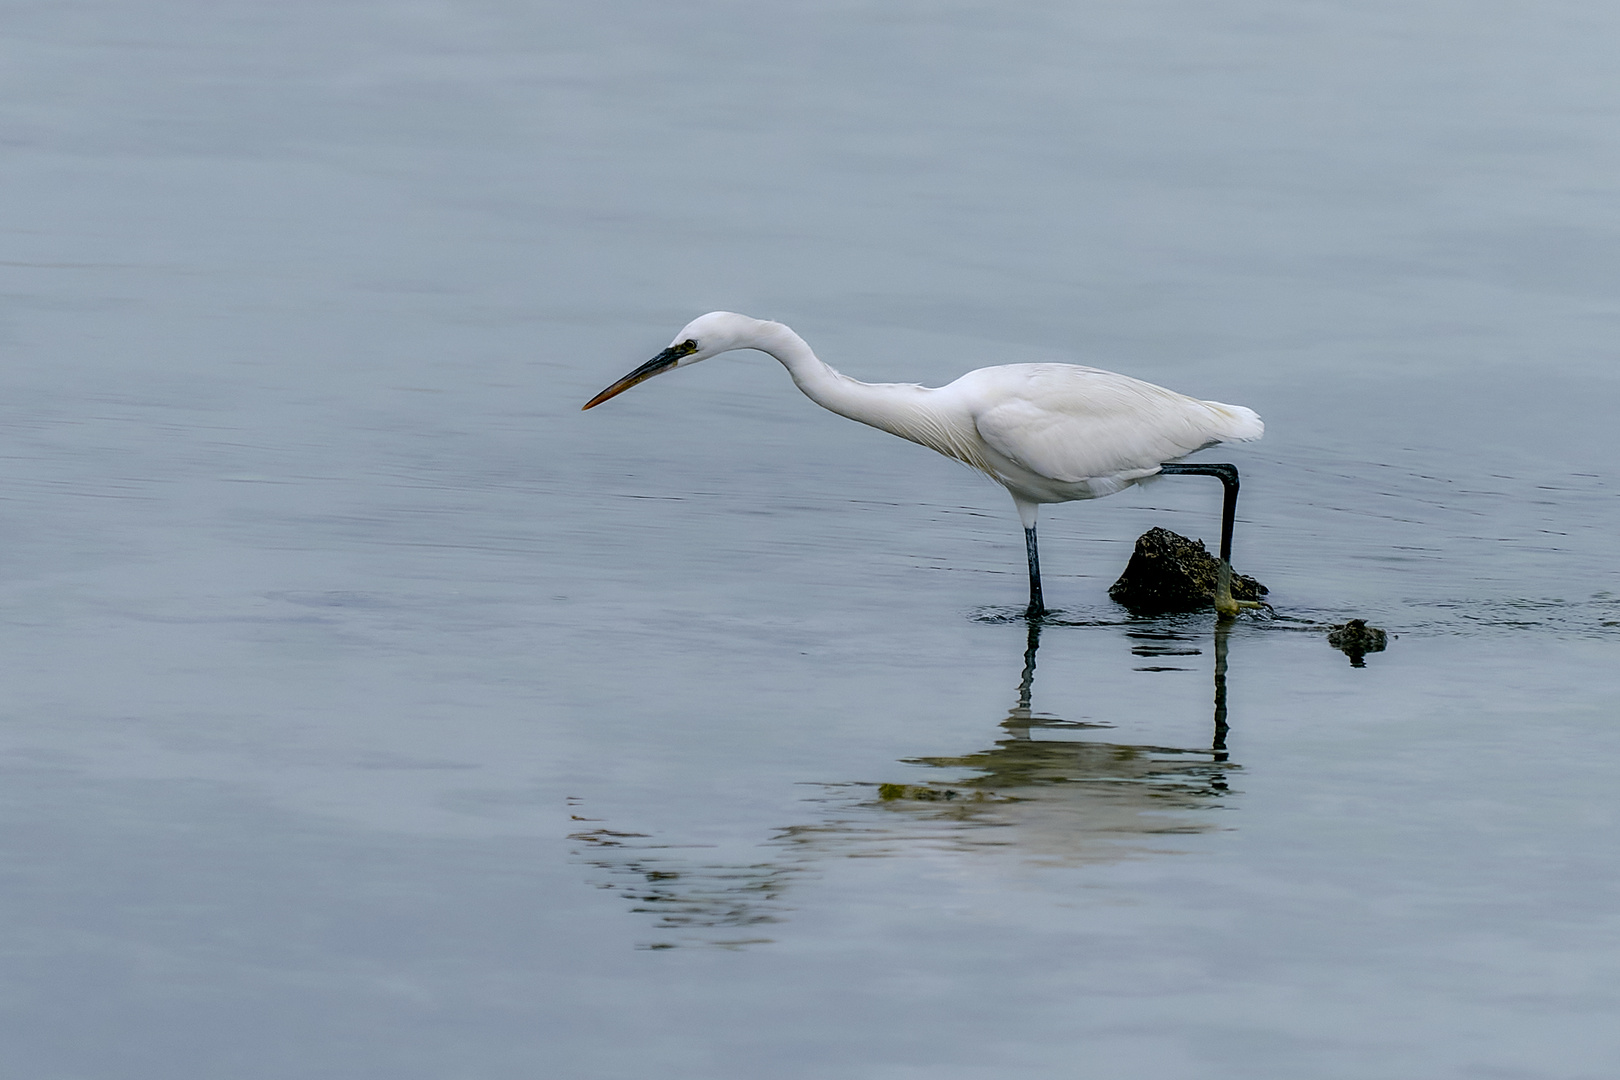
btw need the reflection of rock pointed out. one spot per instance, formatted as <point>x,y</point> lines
<point>1169,572</point>
<point>1356,639</point>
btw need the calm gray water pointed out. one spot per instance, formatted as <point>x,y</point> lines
<point>373,712</point>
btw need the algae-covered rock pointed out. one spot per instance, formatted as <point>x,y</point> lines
<point>1169,572</point>
<point>1356,639</point>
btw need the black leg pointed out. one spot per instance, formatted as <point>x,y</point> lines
<point>1036,607</point>
<point>1229,477</point>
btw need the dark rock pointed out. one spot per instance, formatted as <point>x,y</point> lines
<point>1356,639</point>
<point>1169,572</point>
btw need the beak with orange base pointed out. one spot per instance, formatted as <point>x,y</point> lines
<point>659,364</point>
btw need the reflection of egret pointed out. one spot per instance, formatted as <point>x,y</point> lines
<point>1047,791</point>
<point>1048,433</point>
<point>1074,799</point>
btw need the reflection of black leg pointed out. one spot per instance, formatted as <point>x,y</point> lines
<point>1222,630</point>
<point>1228,475</point>
<point>1020,720</point>
<point>1036,607</point>
<point>1027,683</point>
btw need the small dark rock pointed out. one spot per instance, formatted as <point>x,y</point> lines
<point>1356,639</point>
<point>1169,572</point>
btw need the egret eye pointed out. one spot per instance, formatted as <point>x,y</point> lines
<point>688,346</point>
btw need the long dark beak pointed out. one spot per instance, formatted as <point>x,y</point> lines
<point>656,366</point>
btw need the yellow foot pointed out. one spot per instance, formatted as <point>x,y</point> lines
<point>1225,606</point>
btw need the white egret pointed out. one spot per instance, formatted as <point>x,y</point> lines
<point>1048,433</point>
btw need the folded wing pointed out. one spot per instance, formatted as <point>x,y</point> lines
<point>1071,423</point>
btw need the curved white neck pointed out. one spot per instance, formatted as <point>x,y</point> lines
<point>881,405</point>
<point>912,412</point>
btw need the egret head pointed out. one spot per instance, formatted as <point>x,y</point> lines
<point>703,337</point>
